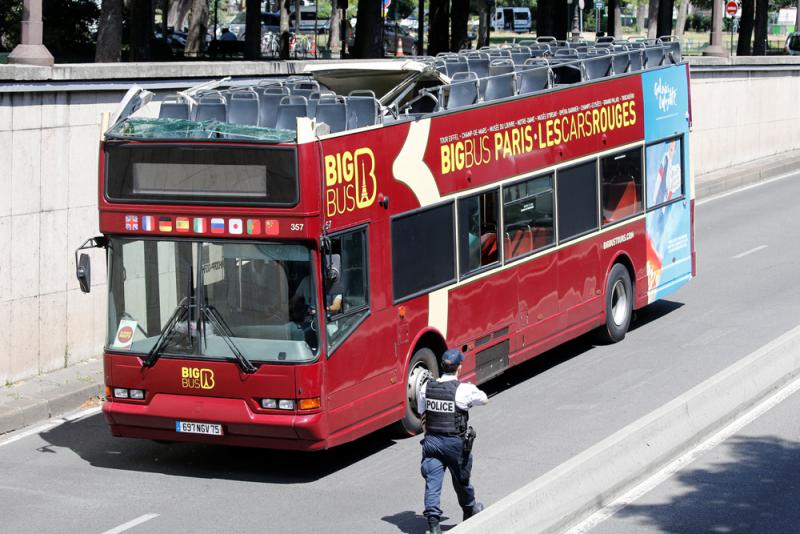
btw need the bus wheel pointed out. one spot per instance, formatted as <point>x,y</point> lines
<point>619,305</point>
<point>423,367</point>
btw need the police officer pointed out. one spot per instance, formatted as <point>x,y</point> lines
<point>444,405</point>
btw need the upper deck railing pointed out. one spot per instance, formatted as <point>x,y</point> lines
<point>268,110</point>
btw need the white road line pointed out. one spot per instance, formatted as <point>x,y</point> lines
<point>748,252</point>
<point>747,187</point>
<point>679,463</point>
<point>130,524</point>
<point>16,436</point>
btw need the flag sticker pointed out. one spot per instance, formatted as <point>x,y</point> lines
<point>131,222</point>
<point>164,224</point>
<point>148,223</point>
<point>253,227</point>
<point>235,226</point>
<point>199,225</point>
<point>217,226</point>
<point>182,224</point>
<point>271,227</point>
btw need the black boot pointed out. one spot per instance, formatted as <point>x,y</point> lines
<point>472,510</point>
<point>433,526</point>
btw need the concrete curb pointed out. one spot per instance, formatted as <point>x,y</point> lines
<point>760,170</point>
<point>587,482</point>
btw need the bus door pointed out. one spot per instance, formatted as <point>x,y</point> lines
<point>361,371</point>
<point>668,187</point>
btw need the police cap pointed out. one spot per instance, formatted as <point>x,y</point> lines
<point>451,359</point>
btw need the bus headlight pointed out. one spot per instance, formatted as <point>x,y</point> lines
<point>136,394</point>
<point>269,404</point>
<point>286,404</point>
<point>120,393</point>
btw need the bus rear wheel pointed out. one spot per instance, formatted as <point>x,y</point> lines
<point>619,305</point>
<point>421,368</point>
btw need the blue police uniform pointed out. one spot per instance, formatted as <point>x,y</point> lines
<point>444,404</point>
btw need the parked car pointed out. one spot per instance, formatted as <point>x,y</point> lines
<point>793,44</point>
<point>390,34</point>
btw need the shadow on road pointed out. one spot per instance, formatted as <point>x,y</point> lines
<point>756,491</point>
<point>90,439</point>
<point>653,312</point>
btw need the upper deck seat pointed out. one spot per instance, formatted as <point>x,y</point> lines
<point>363,109</point>
<point>567,70</point>
<point>621,62</point>
<point>546,39</point>
<point>463,90</point>
<point>636,60</point>
<point>243,107</point>
<point>654,56</point>
<point>597,67</point>
<point>211,106</point>
<point>269,99</point>
<point>453,67</point>
<point>535,79</point>
<point>500,86</point>
<point>174,107</point>
<point>520,55</point>
<point>332,112</point>
<point>674,51</point>
<point>304,88</point>
<point>501,66</point>
<point>289,109</point>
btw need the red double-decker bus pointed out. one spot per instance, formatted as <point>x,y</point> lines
<point>288,259</point>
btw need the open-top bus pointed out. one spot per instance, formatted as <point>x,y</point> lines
<point>288,259</point>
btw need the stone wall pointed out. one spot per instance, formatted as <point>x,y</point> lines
<point>49,134</point>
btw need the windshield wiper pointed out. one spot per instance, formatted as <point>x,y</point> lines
<point>166,334</point>
<point>222,329</point>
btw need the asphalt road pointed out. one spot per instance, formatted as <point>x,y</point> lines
<point>748,483</point>
<point>76,478</point>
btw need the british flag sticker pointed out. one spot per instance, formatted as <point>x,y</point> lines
<point>132,222</point>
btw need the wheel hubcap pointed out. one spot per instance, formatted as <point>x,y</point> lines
<point>619,303</point>
<point>416,379</point>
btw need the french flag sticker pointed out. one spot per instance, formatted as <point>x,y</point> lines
<point>217,226</point>
<point>148,223</point>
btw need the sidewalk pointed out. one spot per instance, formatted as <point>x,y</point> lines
<point>51,395</point>
<point>66,390</point>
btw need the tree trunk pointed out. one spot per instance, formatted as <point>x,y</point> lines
<point>680,25</point>
<point>652,19</point>
<point>284,29</point>
<point>459,18</point>
<point>545,20</point>
<point>744,45</point>
<point>641,16</point>
<point>562,18</point>
<point>618,21</point>
<point>334,34</point>
<point>760,39</point>
<point>439,27</point>
<point>252,30</point>
<point>797,18</point>
<point>198,27</point>
<point>484,14</point>
<point>664,24</point>
<point>613,17</point>
<point>141,29</point>
<point>178,13</point>
<point>109,35</point>
<point>297,17</point>
<point>369,31</point>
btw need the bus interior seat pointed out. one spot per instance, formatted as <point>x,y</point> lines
<point>636,63</point>
<point>501,66</point>
<point>332,112</point>
<point>568,73</point>
<point>289,109</point>
<point>654,57</point>
<point>270,98</point>
<point>363,109</point>
<point>621,61</point>
<point>243,107</point>
<point>174,107</point>
<point>520,56</point>
<point>488,248</point>
<point>463,90</point>
<point>211,106</point>
<point>500,86</point>
<point>624,199</point>
<point>597,67</point>
<point>304,88</point>
<point>453,67</point>
<point>535,79</point>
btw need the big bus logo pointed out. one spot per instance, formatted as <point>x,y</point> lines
<point>350,182</point>
<point>195,378</point>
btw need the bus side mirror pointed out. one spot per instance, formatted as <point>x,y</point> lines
<point>83,272</point>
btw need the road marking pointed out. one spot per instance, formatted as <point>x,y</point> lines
<point>130,524</point>
<point>16,436</point>
<point>687,458</point>
<point>747,187</point>
<point>748,252</point>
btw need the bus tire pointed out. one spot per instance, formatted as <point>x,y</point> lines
<point>422,367</point>
<point>618,305</point>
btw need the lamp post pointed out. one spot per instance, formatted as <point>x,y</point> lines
<point>715,47</point>
<point>31,51</point>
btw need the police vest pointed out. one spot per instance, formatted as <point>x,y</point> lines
<point>442,416</point>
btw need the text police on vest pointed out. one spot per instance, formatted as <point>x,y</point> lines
<point>440,406</point>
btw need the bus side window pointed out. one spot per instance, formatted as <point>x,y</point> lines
<point>528,216</point>
<point>621,183</point>
<point>576,191</point>
<point>346,289</point>
<point>477,229</point>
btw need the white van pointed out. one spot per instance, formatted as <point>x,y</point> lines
<point>512,19</point>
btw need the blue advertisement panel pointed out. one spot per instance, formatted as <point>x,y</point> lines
<point>668,219</point>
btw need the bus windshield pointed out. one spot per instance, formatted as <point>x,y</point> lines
<point>261,296</point>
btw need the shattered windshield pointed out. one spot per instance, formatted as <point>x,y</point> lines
<point>164,128</point>
<point>256,298</point>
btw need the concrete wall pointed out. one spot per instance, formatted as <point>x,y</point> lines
<point>49,133</point>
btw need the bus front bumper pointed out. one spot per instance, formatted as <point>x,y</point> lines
<point>240,425</point>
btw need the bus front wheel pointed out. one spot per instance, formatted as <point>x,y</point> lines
<point>421,368</point>
<point>619,305</point>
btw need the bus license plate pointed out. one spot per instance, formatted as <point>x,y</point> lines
<point>198,428</point>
